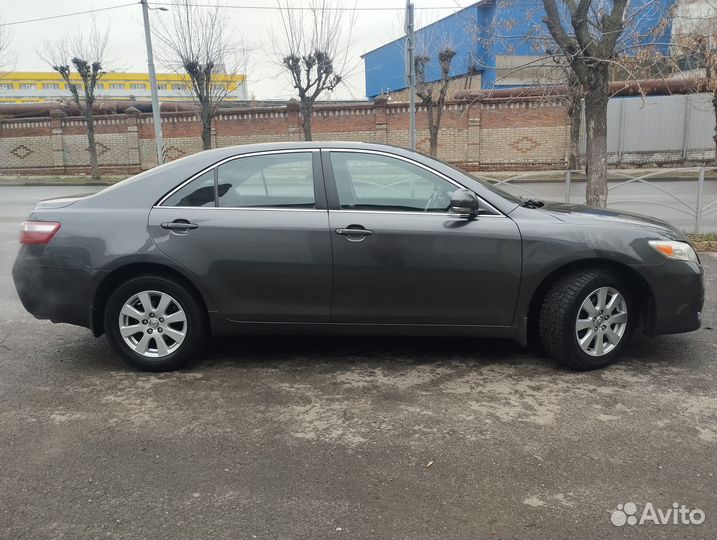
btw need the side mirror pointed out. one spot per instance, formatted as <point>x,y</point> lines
<point>464,203</point>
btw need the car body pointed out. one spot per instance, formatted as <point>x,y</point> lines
<point>335,237</point>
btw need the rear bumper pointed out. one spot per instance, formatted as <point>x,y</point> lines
<point>678,290</point>
<point>56,293</point>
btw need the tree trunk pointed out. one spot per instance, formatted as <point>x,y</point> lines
<point>596,129</point>
<point>575,112</point>
<point>91,145</point>
<point>433,150</point>
<point>206,118</point>
<point>207,135</point>
<point>432,129</point>
<point>306,109</point>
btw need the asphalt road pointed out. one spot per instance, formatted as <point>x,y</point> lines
<point>332,438</point>
<point>636,197</point>
<point>640,198</point>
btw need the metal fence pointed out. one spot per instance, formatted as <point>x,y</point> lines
<point>685,197</point>
<point>659,129</point>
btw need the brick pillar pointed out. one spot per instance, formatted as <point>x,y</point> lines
<point>293,127</point>
<point>379,114</point>
<point>58,145</point>
<point>134,162</point>
<point>473,135</point>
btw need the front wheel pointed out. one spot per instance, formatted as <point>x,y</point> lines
<point>155,323</point>
<point>587,319</point>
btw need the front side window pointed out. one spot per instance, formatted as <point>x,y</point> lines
<point>377,182</point>
<point>273,180</point>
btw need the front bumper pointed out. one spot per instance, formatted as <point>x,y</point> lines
<point>678,294</point>
<point>60,294</point>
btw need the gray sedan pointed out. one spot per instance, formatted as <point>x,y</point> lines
<point>347,238</point>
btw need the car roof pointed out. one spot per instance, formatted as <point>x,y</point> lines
<point>144,189</point>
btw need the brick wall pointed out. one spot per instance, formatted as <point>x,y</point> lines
<point>478,135</point>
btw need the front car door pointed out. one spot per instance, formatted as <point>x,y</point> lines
<point>400,257</point>
<point>254,229</point>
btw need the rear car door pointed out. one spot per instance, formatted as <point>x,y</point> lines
<point>254,229</point>
<point>400,257</point>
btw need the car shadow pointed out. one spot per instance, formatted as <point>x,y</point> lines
<point>352,349</point>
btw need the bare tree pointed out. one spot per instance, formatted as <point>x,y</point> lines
<point>575,48</point>
<point>314,50</point>
<point>85,54</point>
<point>433,94</point>
<point>542,66</point>
<point>589,46</point>
<point>200,45</point>
<point>6,55</point>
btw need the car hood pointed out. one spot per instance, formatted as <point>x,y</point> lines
<point>579,214</point>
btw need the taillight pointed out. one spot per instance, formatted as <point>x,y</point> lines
<point>38,232</point>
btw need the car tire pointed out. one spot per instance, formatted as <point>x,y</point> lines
<point>164,335</point>
<point>587,319</point>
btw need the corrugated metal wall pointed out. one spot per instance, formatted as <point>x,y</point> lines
<point>659,129</point>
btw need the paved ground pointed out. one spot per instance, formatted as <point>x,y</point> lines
<point>331,438</point>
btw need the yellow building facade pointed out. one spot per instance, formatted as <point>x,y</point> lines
<point>36,86</point>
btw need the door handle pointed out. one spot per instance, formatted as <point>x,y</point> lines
<point>351,232</point>
<point>179,225</point>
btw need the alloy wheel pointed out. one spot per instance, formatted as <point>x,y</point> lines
<point>601,321</point>
<point>152,324</point>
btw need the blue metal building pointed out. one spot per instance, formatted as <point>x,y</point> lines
<point>492,37</point>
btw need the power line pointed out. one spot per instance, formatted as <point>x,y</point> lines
<point>304,8</point>
<point>68,14</point>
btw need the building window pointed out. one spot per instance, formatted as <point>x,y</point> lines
<point>51,86</point>
<point>5,86</point>
<point>137,86</point>
<point>161,87</point>
<point>116,86</point>
<point>28,86</point>
<point>179,87</point>
<point>99,86</point>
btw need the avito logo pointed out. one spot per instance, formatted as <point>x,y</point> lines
<point>678,514</point>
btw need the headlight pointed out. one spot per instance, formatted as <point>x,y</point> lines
<point>678,251</point>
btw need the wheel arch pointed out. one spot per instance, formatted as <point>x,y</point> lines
<point>640,290</point>
<point>128,271</point>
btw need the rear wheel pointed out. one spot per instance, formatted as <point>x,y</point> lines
<point>587,319</point>
<point>155,323</point>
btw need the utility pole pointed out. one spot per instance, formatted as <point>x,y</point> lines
<point>153,84</point>
<point>411,74</point>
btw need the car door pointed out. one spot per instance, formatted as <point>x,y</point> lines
<point>400,257</point>
<point>254,229</point>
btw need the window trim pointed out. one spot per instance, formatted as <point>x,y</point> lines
<point>333,196</point>
<point>318,178</point>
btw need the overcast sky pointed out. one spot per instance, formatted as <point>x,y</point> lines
<point>265,78</point>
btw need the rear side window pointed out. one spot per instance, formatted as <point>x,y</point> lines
<point>275,180</point>
<point>272,181</point>
<point>198,192</point>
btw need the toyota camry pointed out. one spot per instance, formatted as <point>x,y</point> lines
<point>347,238</point>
